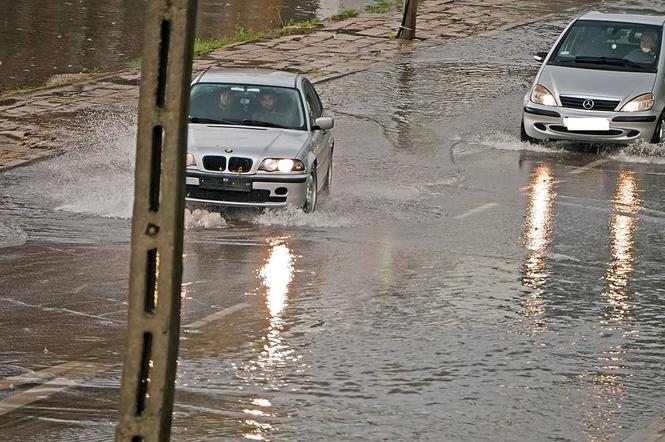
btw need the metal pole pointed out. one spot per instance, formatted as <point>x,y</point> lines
<point>147,389</point>
<point>407,30</point>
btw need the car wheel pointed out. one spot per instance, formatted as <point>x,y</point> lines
<point>311,193</point>
<point>659,133</point>
<point>327,186</point>
<point>524,137</point>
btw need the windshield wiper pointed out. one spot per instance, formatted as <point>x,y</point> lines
<point>210,121</point>
<point>608,61</point>
<point>261,123</point>
<point>632,64</point>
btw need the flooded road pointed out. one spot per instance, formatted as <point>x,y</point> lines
<point>458,284</point>
<point>40,40</point>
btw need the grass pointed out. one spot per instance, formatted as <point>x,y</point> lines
<point>17,91</point>
<point>239,35</point>
<point>345,13</point>
<point>135,63</point>
<point>306,24</point>
<point>52,83</point>
<point>383,6</point>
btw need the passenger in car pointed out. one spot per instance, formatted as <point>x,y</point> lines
<point>646,53</point>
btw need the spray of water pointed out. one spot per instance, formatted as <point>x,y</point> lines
<point>641,152</point>
<point>96,176</point>
<point>501,140</point>
<point>292,216</point>
<point>200,218</point>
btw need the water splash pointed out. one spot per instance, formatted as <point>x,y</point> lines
<point>200,218</point>
<point>97,175</point>
<point>292,216</point>
<point>501,140</point>
<point>641,152</point>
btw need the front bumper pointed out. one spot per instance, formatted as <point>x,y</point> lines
<point>267,190</point>
<point>547,122</point>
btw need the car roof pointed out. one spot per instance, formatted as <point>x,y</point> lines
<point>265,77</point>
<point>625,18</point>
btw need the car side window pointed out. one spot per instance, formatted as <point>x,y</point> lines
<point>314,106</point>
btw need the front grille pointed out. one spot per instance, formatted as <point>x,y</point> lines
<point>211,162</point>
<point>611,132</point>
<point>598,105</point>
<point>240,165</point>
<point>254,196</point>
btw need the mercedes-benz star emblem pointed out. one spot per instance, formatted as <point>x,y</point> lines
<point>588,104</point>
<point>231,150</point>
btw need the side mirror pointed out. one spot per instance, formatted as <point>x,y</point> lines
<point>324,123</point>
<point>540,56</point>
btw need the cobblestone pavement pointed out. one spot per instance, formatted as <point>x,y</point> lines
<point>34,125</point>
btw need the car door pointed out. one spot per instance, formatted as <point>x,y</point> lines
<point>321,139</point>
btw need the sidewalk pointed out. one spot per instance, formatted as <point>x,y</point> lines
<point>33,125</point>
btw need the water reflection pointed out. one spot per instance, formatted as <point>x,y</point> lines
<point>403,106</point>
<point>622,229</point>
<point>275,276</point>
<point>538,228</point>
<point>608,375</point>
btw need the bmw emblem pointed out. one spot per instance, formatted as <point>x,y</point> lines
<point>588,104</point>
<point>229,150</point>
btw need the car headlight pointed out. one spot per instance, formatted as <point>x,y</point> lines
<point>284,165</point>
<point>642,103</point>
<point>189,160</point>
<point>540,95</point>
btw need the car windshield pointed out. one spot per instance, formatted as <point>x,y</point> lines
<point>246,105</point>
<point>607,45</point>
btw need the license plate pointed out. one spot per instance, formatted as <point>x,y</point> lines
<point>591,124</point>
<point>238,184</point>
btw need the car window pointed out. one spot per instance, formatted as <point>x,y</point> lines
<point>315,108</point>
<point>247,105</point>
<point>607,45</point>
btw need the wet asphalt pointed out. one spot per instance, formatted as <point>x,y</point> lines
<point>457,284</point>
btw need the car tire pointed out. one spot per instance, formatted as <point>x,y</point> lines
<point>525,138</point>
<point>659,133</point>
<point>327,186</point>
<point>311,193</point>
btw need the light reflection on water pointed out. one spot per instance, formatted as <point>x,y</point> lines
<point>622,230</point>
<point>538,228</point>
<point>609,369</point>
<point>275,276</point>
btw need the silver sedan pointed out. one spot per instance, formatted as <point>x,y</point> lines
<point>603,81</point>
<point>257,138</point>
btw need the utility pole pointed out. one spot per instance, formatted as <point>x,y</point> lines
<point>148,379</point>
<point>407,30</point>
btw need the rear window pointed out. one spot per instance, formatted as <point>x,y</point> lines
<point>606,45</point>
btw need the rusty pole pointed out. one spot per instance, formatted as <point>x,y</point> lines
<point>407,30</point>
<point>147,389</point>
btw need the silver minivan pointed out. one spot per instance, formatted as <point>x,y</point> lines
<point>603,81</point>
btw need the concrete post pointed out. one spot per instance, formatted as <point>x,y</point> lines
<point>147,390</point>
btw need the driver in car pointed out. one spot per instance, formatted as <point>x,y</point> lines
<point>226,105</point>
<point>646,53</point>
